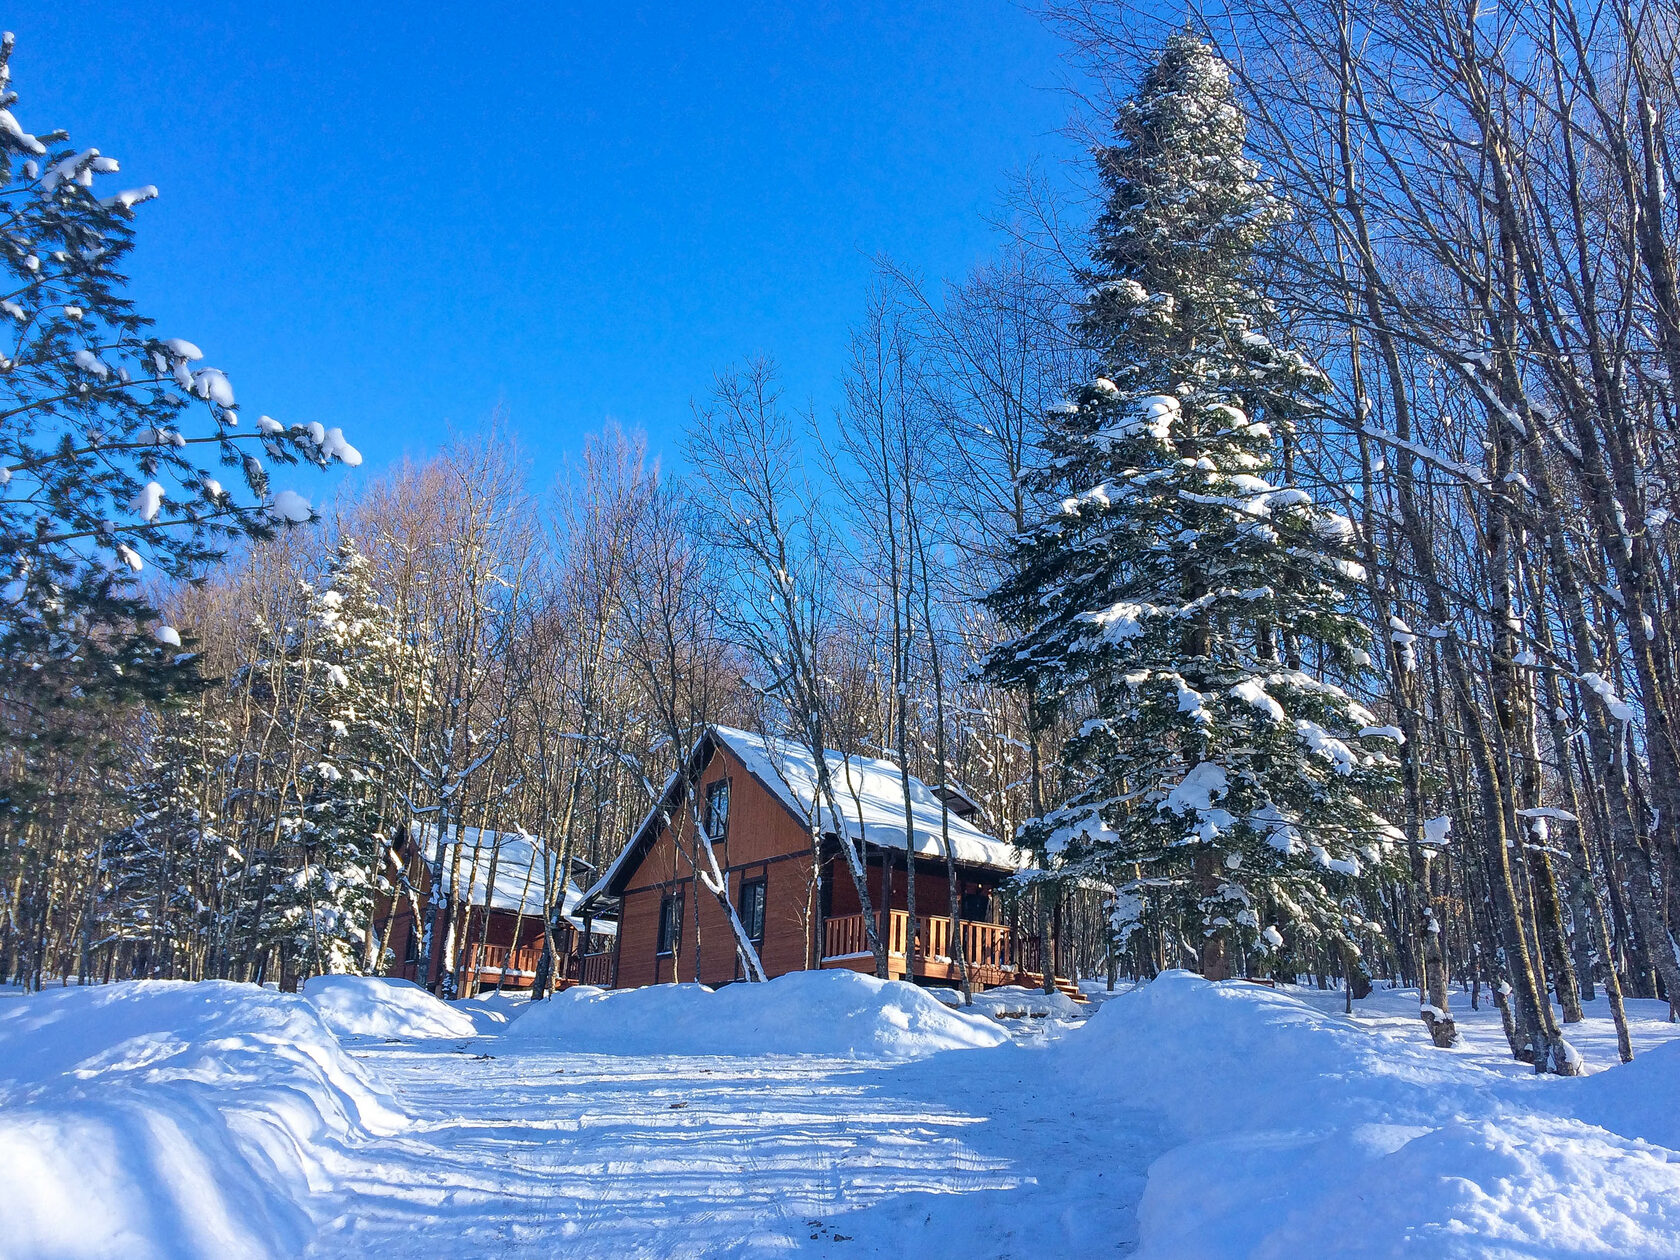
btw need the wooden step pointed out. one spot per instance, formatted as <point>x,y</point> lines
<point>1035,980</point>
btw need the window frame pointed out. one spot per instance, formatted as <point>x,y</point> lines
<point>761,885</point>
<point>667,941</point>
<point>715,789</point>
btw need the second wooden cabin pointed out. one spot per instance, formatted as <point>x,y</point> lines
<point>499,913</point>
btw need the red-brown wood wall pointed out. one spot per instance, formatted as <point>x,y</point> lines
<point>762,839</point>
<point>467,928</point>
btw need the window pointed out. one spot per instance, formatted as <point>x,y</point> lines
<point>977,906</point>
<point>752,909</point>
<point>717,810</point>
<point>670,923</point>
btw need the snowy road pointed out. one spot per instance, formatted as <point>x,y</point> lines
<point>533,1152</point>
<point>820,1114</point>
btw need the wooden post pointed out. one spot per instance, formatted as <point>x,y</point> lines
<point>582,949</point>
<point>1056,933</point>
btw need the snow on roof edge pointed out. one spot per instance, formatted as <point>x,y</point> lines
<point>875,793</point>
<point>870,793</point>
<point>520,854</point>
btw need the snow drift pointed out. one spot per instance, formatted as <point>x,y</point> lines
<point>1302,1134</point>
<point>1011,1001</point>
<point>492,1012</point>
<point>376,1006</point>
<point>839,1013</point>
<point>1639,1099</point>
<point>168,1119</point>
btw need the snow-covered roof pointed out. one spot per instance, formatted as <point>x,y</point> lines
<point>870,793</point>
<point>520,870</point>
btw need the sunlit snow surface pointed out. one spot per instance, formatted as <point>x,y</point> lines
<point>1180,1120</point>
<point>542,1153</point>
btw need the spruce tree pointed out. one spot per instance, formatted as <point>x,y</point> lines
<point>160,871</point>
<point>320,913</point>
<point>120,451</point>
<point>1174,598</point>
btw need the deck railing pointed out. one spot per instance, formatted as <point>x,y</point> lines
<point>989,945</point>
<point>490,963</point>
<point>596,969</point>
<point>844,937</point>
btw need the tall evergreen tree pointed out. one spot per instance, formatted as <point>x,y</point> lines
<point>320,912</point>
<point>159,870</point>
<point>1174,597</point>
<point>119,449</point>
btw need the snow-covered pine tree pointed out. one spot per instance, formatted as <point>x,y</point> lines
<point>111,438</point>
<point>1176,597</point>
<point>158,872</point>
<point>320,913</point>
<point>360,635</point>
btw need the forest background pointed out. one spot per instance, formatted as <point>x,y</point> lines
<point>1482,257</point>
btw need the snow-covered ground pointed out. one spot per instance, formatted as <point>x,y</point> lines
<point>164,1119</point>
<point>1294,1130</point>
<point>1395,1011</point>
<point>823,1115</point>
<point>540,1152</point>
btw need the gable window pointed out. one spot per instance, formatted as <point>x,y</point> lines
<point>717,810</point>
<point>752,909</point>
<point>670,923</point>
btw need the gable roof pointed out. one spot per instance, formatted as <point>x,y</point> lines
<point>868,790</point>
<point>870,794</point>
<point>510,892</point>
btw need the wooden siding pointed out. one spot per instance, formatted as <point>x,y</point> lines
<point>763,839</point>
<point>932,890</point>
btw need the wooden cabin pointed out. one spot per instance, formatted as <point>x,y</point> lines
<point>757,796</point>
<point>512,906</point>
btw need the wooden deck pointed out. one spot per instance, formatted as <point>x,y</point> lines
<point>517,968</point>
<point>492,964</point>
<point>596,969</point>
<point>989,948</point>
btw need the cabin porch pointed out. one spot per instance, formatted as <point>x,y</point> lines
<point>516,968</point>
<point>487,966</point>
<point>994,955</point>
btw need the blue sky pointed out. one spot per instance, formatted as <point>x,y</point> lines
<point>395,220</point>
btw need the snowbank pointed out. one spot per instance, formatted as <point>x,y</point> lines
<point>1268,1059</point>
<point>1302,1134</point>
<point>378,1006</point>
<point>170,1119</point>
<point>1639,1099</point>
<point>490,1011</point>
<point>838,1013</point>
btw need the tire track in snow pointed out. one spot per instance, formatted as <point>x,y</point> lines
<point>538,1153</point>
